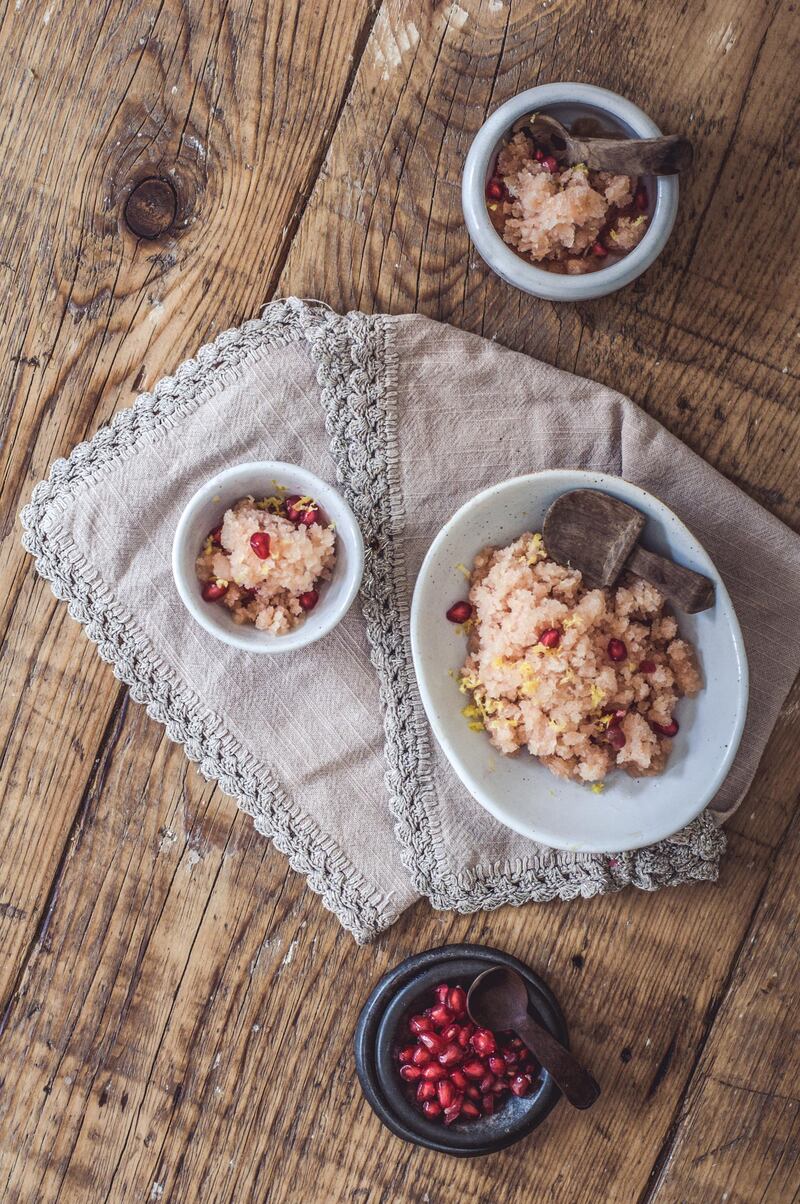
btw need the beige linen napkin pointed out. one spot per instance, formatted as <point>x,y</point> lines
<point>366,805</point>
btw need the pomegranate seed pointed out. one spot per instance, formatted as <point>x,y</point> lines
<point>212,591</point>
<point>458,1080</point>
<point>311,515</point>
<point>599,250</point>
<point>451,1033</point>
<point>469,1109</point>
<point>472,1091</point>
<point>641,199</point>
<point>441,1015</point>
<point>665,729</point>
<point>516,1043</point>
<point>432,1108</point>
<point>483,1042</point>
<point>487,1105</point>
<point>617,650</point>
<point>451,1055</point>
<point>420,1024</point>
<point>308,600</point>
<point>426,1091</point>
<point>497,1065</point>
<point>499,1088</point>
<point>520,1085</point>
<point>647,667</point>
<point>495,191</point>
<point>407,1054</point>
<point>446,1092</point>
<point>615,736</point>
<point>433,1072</point>
<point>259,542</point>
<point>410,1074</point>
<point>539,155</point>
<point>464,1036</point>
<point>486,1083</point>
<point>216,536</point>
<point>442,992</point>
<point>551,638</point>
<point>433,1043</point>
<point>453,1112</point>
<point>290,507</point>
<point>457,1000</point>
<point>474,1069</point>
<point>421,1056</point>
<point>459,612</point>
<point>549,164</point>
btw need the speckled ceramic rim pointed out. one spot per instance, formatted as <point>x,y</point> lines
<point>203,511</point>
<point>701,561</point>
<point>500,257</point>
<point>467,1141</point>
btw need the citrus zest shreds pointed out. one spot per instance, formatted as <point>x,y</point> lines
<point>476,727</point>
<point>598,695</point>
<point>462,568</point>
<point>598,788</point>
<point>604,721</point>
<point>221,582</point>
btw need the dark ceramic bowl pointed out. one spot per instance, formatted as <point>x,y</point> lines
<point>408,988</point>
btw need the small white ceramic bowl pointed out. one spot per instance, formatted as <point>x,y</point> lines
<point>258,479</point>
<point>567,102</point>
<point>519,790</point>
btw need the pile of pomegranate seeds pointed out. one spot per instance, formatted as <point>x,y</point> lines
<point>456,1070</point>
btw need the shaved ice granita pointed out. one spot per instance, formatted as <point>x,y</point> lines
<point>266,559</point>
<point>587,680</point>
<point>568,220</point>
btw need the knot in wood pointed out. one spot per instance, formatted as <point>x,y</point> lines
<point>151,207</point>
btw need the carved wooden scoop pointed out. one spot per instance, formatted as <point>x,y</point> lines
<point>498,999</point>
<point>598,534</point>
<point>664,156</point>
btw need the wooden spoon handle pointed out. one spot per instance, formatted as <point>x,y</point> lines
<point>577,1084</point>
<point>686,589</point>
<point>635,156</point>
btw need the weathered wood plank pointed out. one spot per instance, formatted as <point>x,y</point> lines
<point>738,1134</point>
<point>233,106</point>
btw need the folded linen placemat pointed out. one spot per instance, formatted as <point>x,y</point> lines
<point>413,418</point>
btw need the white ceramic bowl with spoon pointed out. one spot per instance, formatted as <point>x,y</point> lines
<point>521,792</point>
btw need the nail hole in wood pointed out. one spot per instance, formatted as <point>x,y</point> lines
<point>151,208</point>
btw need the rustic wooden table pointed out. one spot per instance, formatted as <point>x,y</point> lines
<point>177,1007</point>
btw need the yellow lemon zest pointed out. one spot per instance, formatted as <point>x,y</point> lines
<point>536,549</point>
<point>499,662</point>
<point>222,582</point>
<point>281,488</point>
<point>462,568</point>
<point>471,711</point>
<point>598,788</point>
<point>604,721</point>
<point>570,621</point>
<point>476,727</point>
<point>598,695</point>
<point>465,628</point>
<point>526,670</point>
<point>568,677</point>
<point>529,688</point>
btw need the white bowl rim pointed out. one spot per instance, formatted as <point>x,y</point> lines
<point>506,262</point>
<point>347,529</point>
<point>650,504</point>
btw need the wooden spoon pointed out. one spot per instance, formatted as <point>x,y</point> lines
<point>598,534</point>
<point>664,156</point>
<point>498,999</point>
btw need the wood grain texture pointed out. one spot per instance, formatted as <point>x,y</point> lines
<point>178,1007</point>
<point>233,106</point>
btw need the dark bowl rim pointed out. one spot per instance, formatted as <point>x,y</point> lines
<point>402,975</point>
